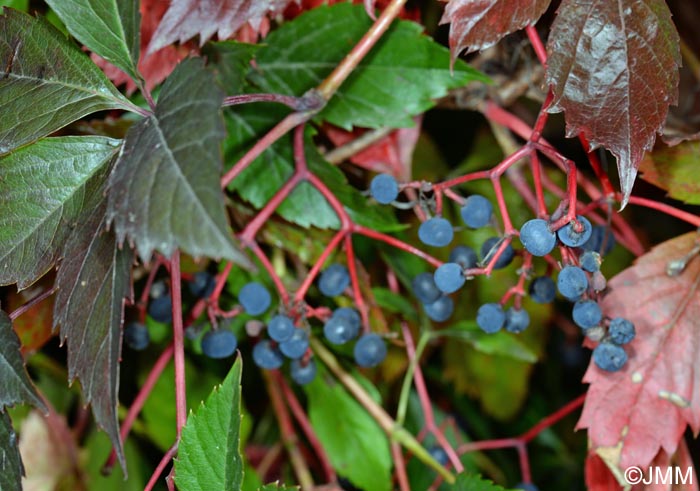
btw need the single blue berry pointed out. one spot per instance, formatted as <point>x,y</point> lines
<point>158,289</point>
<point>425,289</point>
<point>161,309</point>
<point>587,314</point>
<point>439,454</point>
<point>601,241</point>
<point>537,238</point>
<point>590,261</point>
<point>490,317</point>
<point>449,277</point>
<point>526,486</point>
<point>219,343</point>
<point>280,328</point>
<point>202,284</point>
<point>441,309</point>
<point>476,211</point>
<point>136,336</point>
<point>489,249</point>
<point>369,350</point>
<point>609,357</point>
<point>463,255</point>
<point>621,330</point>
<point>267,356</point>
<point>517,320</point>
<point>572,282</point>
<point>436,232</point>
<point>254,298</point>
<point>343,326</point>
<point>568,234</point>
<point>302,373</point>
<point>334,280</point>
<point>295,346</point>
<point>384,188</point>
<point>542,289</point>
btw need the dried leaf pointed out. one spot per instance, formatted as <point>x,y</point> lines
<point>613,67</point>
<point>623,410</point>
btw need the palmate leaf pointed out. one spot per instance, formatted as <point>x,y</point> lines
<point>109,28</point>
<point>397,80</point>
<point>93,282</point>
<point>46,82</point>
<point>613,68</point>
<point>209,455</point>
<point>44,187</point>
<point>11,469</point>
<point>164,190</point>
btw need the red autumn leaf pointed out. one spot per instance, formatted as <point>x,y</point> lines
<point>478,24</point>
<point>186,19</point>
<point>613,67</point>
<point>633,414</point>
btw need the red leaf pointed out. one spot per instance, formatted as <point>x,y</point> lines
<point>186,19</point>
<point>478,24</point>
<point>633,414</point>
<point>613,67</point>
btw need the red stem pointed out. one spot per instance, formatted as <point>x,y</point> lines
<point>287,100</point>
<point>356,293</point>
<point>394,242</point>
<point>178,344</point>
<point>161,467</point>
<point>31,303</point>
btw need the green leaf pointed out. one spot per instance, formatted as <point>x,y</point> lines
<point>164,190</point>
<point>232,61</point>
<point>397,80</point>
<point>109,28</point>
<point>209,455</point>
<point>93,281</point>
<point>46,82</point>
<point>43,189</point>
<point>22,5</point>
<point>356,445</point>
<point>394,302</point>
<point>276,486</point>
<point>499,343</point>
<point>474,482</point>
<point>11,469</point>
<point>675,169</point>
<point>15,384</point>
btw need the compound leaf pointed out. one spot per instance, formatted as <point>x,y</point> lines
<point>109,28</point>
<point>93,281</point>
<point>15,385</point>
<point>659,382</point>
<point>164,190</point>
<point>477,25</point>
<point>397,80</point>
<point>11,469</point>
<point>43,189</point>
<point>46,82</point>
<point>209,455</point>
<point>613,67</point>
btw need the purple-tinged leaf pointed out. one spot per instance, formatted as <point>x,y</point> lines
<point>11,469</point>
<point>613,67</point>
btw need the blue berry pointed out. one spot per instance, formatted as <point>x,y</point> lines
<point>254,298</point>
<point>202,284</point>
<point>489,248</point>
<point>590,261</point>
<point>537,238</point>
<point>570,237</point>
<point>425,289</point>
<point>158,289</point>
<point>161,309</point>
<point>602,240</point>
<point>439,454</point>
<point>302,373</point>
<point>219,343</point>
<point>587,314</point>
<point>280,328</point>
<point>542,289</point>
<point>463,255</point>
<point>572,282</point>
<point>621,330</point>
<point>343,326</point>
<point>476,211</point>
<point>517,320</point>
<point>384,188</point>
<point>267,356</point>
<point>370,350</point>
<point>436,232</point>
<point>295,346</point>
<point>136,336</point>
<point>334,280</point>
<point>609,357</point>
<point>490,317</point>
<point>526,486</point>
<point>449,277</point>
<point>441,309</point>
